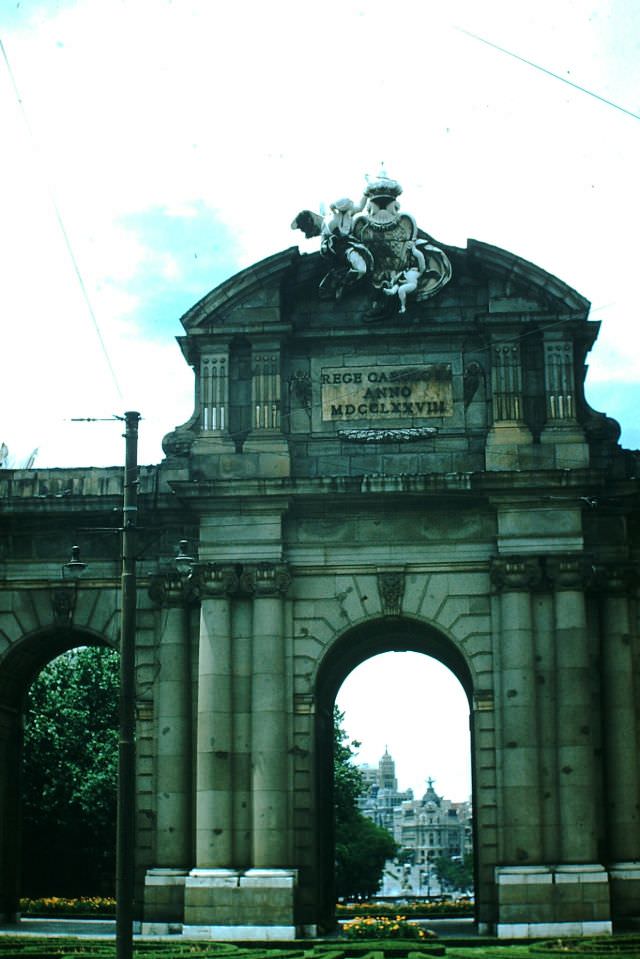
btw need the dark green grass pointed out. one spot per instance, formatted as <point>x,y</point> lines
<point>34,947</point>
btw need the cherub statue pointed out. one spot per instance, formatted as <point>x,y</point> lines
<point>341,223</point>
<point>337,240</point>
<point>339,228</point>
<point>407,280</point>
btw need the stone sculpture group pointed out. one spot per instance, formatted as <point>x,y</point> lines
<point>382,245</point>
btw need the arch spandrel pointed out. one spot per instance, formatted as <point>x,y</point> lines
<point>28,655</point>
<point>388,634</point>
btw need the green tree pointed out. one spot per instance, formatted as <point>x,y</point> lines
<point>456,873</point>
<point>362,847</point>
<point>69,776</point>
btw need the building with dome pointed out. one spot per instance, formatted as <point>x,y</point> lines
<point>434,827</point>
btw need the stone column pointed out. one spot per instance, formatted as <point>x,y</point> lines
<point>514,578</point>
<point>621,747</point>
<point>575,733</point>
<point>242,666</point>
<point>621,742</point>
<point>164,884</point>
<point>173,727</point>
<point>269,719</point>
<point>266,441</point>
<point>215,722</point>
<point>509,430</point>
<point>212,406</point>
<point>562,430</point>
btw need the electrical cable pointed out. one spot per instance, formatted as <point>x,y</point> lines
<point>61,225</point>
<point>550,73</point>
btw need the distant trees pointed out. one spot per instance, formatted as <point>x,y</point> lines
<point>69,776</point>
<point>455,873</point>
<point>362,847</point>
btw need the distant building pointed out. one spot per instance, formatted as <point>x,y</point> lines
<point>382,796</point>
<point>433,826</point>
<point>424,829</point>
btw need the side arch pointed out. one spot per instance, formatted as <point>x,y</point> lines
<point>349,650</point>
<point>18,668</point>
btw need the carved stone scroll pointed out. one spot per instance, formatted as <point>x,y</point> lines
<point>391,589</point>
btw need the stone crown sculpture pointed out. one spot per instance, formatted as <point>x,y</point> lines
<point>381,248</point>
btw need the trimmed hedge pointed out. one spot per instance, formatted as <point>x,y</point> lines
<point>624,945</point>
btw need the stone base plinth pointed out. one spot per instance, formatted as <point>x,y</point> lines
<point>164,895</point>
<point>566,900</point>
<point>231,904</point>
<point>624,879</point>
<point>570,450</point>
<point>504,443</point>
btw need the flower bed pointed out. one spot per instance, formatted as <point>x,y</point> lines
<point>56,906</point>
<point>416,910</point>
<point>384,927</point>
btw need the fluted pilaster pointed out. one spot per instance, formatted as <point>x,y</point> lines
<point>514,578</point>
<point>575,724</point>
<point>173,724</point>
<point>214,846</point>
<point>621,741</point>
<point>269,584</point>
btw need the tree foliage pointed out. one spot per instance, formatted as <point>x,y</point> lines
<point>69,776</point>
<point>456,873</point>
<point>362,847</point>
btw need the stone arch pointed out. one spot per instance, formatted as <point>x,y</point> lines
<point>18,668</point>
<point>353,647</point>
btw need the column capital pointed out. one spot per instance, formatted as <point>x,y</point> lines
<point>214,580</point>
<point>265,579</point>
<point>510,573</point>
<point>168,589</point>
<point>569,572</point>
<point>618,579</point>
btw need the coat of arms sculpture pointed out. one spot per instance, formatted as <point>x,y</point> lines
<point>381,247</point>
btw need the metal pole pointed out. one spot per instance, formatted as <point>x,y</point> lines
<point>125,854</point>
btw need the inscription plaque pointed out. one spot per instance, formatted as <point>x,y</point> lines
<point>386,392</point>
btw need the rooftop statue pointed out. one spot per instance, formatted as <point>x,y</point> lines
<point>381,248</point>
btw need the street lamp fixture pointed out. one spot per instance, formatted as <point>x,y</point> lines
<point>184,562</point>
<point>75,567</point>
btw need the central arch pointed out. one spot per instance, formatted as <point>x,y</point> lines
<point>352,648</point>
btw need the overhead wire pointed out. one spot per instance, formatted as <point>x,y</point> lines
<point>550,73</point>
<point>63,231</point>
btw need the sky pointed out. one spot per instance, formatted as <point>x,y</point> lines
<point>414,707</point>
<point>153,148</point>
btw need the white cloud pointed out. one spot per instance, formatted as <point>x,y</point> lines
<point>415,707</point>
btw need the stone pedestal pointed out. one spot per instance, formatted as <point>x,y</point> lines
<point>624,879</point>
<point>504,439</point>
<point>570,449</point>
<point>229,904</point>
<point>269,453</point>
<point>566,900</point>
<point>163,901</point>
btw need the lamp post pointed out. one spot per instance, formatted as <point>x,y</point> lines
<point>125,838</point>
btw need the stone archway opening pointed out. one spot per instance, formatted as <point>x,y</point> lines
<point>410,715</point>
<point>25,662</point>
<point>358,649</point>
